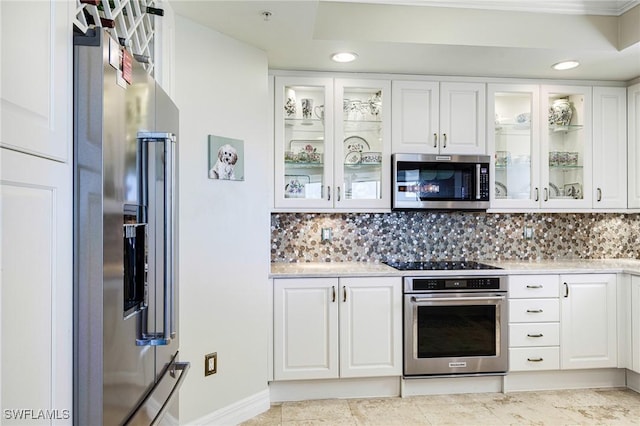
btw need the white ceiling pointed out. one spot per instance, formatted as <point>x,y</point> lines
<point>495,38</point>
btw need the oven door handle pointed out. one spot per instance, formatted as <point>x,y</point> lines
<point>455,299</point>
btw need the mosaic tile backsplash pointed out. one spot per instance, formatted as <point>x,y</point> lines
<point>378,237</point>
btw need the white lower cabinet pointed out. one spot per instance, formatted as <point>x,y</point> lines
<point>337,327</point>
<point>36,295</point>
<point>589,321</point>
<point>635,324</point>
<point>562,322</point>
<point>534,322</point>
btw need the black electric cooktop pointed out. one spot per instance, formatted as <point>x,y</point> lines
<point>440,265</point>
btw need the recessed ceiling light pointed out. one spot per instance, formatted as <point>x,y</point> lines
<point>344,57</point>
<point>565,65</point>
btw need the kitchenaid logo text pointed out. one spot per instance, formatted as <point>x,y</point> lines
<point>35,414</point>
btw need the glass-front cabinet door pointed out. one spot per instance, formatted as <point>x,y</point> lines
<point>513,117</point>
<point>303,142</point>
<point>362,143</point>
<point>566,147</point>
<point>332,144</point>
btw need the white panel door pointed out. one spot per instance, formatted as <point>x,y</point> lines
<point>36,293</point>
<point>462,118</point>
<point>305,328</point>
<point>633,134</point>
<point>415,117</point>
<point>635,324</point>
<point>36,99</point>
<point>609,147</point>
<point>370,327</point>
<point>588,333</point>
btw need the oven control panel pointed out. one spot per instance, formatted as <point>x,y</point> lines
<point>451,284</point>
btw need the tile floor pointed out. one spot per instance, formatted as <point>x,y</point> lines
<point>565,407</point>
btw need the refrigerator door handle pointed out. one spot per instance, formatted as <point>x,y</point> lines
<point>184,367</point>
<point>144,412</point>
<point>168,331</point>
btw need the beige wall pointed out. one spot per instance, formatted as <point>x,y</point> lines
<point>221,88</point>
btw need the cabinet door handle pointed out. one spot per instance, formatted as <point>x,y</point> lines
<point>338,193</point>
<point>435,140</point>
<point>534,311</point>
<point>344,293</point>
<point>566,290</point>
<point>534,335</point>
<point>540,359</point>
<point>328,193</point>
<point>444,140</point>
<point>546,194</point>
<point>537,194</point>
<point>333,293</point>
<point>534,286</point>
<point>599,197</point>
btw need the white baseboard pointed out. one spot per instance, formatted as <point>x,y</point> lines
<point>564,379</point>
<point>633,380</point>
<point>302,390</point>
<point>451,385</point>
<point>237,412</point>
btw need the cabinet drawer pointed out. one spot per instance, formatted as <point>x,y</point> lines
<point>534,334</point>
<point>528,359</point>
<point>534,310</point>
<point>521,286</point>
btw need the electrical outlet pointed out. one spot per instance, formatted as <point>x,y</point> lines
<point>326,234</point>
<point>527,233</point>
<point>211,364</point>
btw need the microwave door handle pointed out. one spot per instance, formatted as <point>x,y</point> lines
<point>478,181</point>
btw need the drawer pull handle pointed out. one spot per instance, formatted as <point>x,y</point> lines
<point>534,286</point>
<point>534,311</point>
<point>534,335</point>
<point>535,359</point>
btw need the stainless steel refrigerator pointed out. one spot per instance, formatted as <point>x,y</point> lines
<point>126,360</point>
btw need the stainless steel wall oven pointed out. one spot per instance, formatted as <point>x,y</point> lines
<point>455,325</point>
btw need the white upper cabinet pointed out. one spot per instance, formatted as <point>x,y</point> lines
<point>362,151</point>
<point>332,144</point>
<point>567,167</point>
<point>513,121</point>
<point>633,129</point>
<point>558,147</point>
<point>438,118</point>
<point>36,97</point>
<point>303,142</point>
<point>609,147</point>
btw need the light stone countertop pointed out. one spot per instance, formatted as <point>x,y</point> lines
<point>372,269</point>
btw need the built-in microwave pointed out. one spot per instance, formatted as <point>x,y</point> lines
<point>443,182</point>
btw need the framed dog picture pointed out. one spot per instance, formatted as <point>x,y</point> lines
<point>226,158</point>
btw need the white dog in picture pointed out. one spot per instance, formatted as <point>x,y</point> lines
<point>227,158</point>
